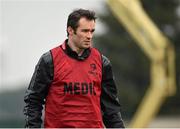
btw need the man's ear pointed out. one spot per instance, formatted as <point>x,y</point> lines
<point>70,30</point>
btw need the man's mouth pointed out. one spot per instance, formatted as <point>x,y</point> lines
<point>87,41</point>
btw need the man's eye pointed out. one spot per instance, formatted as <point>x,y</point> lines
<point>92,31</point>
<point>85,30</point>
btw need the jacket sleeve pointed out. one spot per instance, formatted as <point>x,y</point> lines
<point>37,91</point>
<point>109,101</point>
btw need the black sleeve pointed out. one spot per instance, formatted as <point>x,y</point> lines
<point>109,101</point>
<point>38,90</point>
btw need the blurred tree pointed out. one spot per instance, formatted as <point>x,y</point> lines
<point>11,108</point>
<point>130,65</point>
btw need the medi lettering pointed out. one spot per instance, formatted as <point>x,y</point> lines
<point>78,88</point>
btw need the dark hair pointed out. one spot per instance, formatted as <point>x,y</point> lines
<point>75,16</point>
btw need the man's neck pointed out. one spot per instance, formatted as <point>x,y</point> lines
<point>74,48</point>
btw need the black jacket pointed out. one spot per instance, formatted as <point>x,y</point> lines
<point>43,77</point>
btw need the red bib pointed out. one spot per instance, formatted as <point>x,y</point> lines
<point>73,100</point>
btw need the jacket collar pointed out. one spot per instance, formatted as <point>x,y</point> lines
<point>66,48</point>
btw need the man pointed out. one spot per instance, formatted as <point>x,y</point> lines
<point>75,82</point>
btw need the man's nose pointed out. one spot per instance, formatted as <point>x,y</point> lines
<point>89,35</point>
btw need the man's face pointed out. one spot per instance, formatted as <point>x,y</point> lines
<point>82,37</point>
